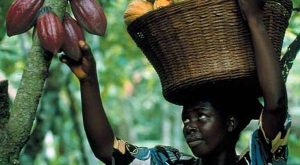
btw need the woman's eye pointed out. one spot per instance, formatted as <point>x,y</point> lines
<point>202,116</point>
<point>186,120</point>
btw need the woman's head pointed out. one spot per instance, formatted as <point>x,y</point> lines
<point>212,125</point>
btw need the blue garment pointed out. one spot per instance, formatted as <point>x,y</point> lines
<point>264,151</point>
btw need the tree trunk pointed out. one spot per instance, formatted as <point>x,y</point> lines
<point>16,131</point>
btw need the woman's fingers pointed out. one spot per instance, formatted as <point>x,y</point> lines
<point>86,50</point>
<point>67,60</point>
<point>63,58</point>
<point>75,66</point>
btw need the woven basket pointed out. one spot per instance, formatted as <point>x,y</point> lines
<point>198,45</point>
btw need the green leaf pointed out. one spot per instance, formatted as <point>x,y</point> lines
<point>3,10</point>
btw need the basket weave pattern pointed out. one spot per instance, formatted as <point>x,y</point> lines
<point>199,42</point>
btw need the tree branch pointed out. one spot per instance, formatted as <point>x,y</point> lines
<point>287,60</point>
<point>45,116</point>
<point>4,103</point>
<point>44,121</point>
<point>28,95</point>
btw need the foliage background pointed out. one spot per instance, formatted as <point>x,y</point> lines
<point>131,93</point>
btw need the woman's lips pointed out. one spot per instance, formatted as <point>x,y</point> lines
<point>195,143</point>
<point>194,139</point>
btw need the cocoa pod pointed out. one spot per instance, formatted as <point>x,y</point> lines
<point>50,30</point>
<point>90,16</point>
<point>21,16</point>
<point>73,33</point>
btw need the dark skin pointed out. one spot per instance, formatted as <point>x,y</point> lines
<point>201,120</point>
<point>207,135</point>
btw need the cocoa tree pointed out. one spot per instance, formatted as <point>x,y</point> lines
<point>17,120</point>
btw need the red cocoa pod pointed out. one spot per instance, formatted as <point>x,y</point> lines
<point>90,16</point>
<point>73,34</point>
<point>50,31</point>
<point>21,16</point>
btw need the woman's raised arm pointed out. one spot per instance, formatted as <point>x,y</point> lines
<point>268,70</point>
<point>96,124</point>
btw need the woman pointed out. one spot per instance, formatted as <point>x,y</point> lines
<point>211,124</point>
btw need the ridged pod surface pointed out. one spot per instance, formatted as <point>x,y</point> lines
<point>73,33</point>
<point>21,16</point>
<point>90,16</point>
<point>50,31</point>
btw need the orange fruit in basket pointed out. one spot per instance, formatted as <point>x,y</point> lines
<point>135,9</point>
<point>161,3</point>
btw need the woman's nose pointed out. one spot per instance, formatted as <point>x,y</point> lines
<point>191,128</point>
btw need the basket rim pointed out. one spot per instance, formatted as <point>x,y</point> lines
<point>156,11</point>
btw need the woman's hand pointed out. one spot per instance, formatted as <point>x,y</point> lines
<point>85,68</point>
<point>251,8</point>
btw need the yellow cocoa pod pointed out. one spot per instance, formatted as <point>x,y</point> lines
<point>135,9</point>
<point>161,3</point>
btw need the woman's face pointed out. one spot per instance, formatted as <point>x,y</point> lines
<point>203,129</point>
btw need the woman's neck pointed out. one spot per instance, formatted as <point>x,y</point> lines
<point>223,158</point>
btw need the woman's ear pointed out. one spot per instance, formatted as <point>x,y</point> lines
<point>231,123</point>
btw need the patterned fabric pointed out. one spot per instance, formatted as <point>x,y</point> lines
<point>125,153</point>
<point>262,151</point>
<point>265,151</point>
